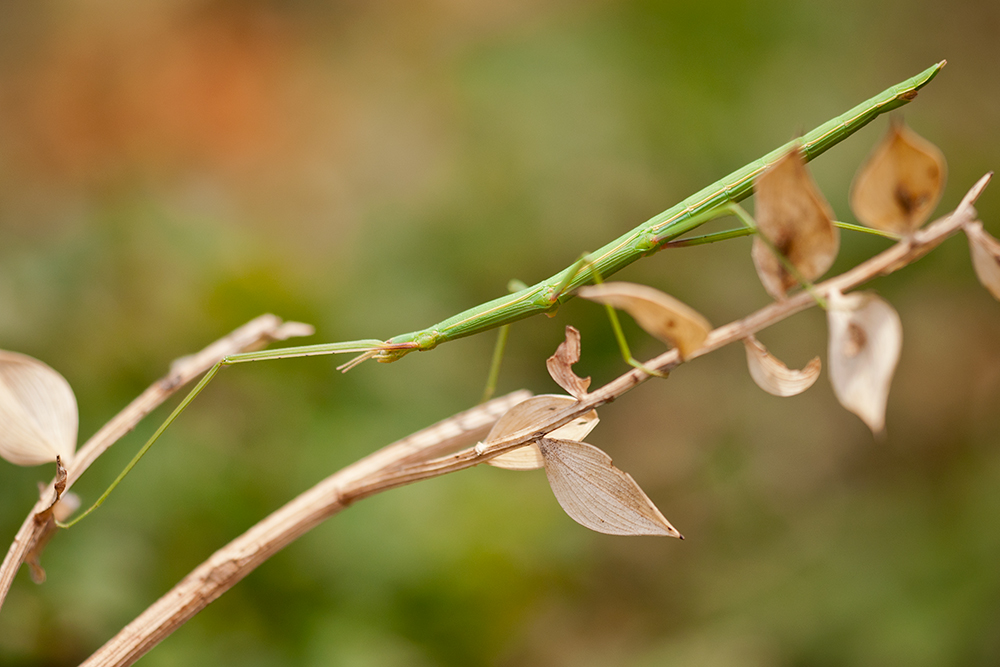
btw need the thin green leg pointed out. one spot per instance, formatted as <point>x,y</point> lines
<point>498,350</point>
<point>580,265</point>
<point>149,443</point>
<point>503,334</point>
<point>727,234</point>
<point>750,223</point>
<point>616,326</point>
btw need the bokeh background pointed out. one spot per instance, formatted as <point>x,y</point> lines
<point>170,169</point>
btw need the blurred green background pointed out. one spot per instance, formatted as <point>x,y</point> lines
<point>170,169</point>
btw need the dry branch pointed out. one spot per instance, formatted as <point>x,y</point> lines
<point>39,525</point>
<point>229,565</point>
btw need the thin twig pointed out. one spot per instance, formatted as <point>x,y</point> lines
<point>403,464</point>
<point>38,526</point>
<point>229,565</point>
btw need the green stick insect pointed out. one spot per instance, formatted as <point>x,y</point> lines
<point>647,238</point>
<point>714,201</point>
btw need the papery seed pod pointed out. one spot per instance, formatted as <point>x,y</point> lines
<point>38,413</point>
<point>901,182</point>
<point>560,365</point>
<point>985,251</point>
<point>659,314</point>
<point>526,415</point>
<point>866,337</point>
<point>596,494</point>
<point>796,220</point>
<point>773,376</point>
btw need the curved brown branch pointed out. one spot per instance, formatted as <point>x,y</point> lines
<point>38,526</point>
<point>230,564</point>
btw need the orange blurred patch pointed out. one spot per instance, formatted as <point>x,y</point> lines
<point>154,93</point>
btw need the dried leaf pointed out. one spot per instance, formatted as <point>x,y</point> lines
<point>900,184</point>
<point>526,415</point>
<point>661,315</point>
<point>38,414</point>
<point>773,376</point>
<point>62,476</point>
<point>596,494</point>
<point>796,219</point>
<point>985,251</point>
<point>865,341</point>
<point>58,485</point>
<point>560,365</point>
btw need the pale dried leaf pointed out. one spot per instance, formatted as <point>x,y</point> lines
<point>528,414</point>
<point>560,365</point>
<point>38,413</point>
<point>985,251</point>
<point>866,337</point>
<point>659,314</point>
<point>596,494</point>
<point>900,184</point>
<point>522,458</point>
<point>796,219</point>
<point>773,376</point>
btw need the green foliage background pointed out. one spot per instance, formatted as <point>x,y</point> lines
<point>171,169</point>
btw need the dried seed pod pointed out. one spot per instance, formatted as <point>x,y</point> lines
<point>900,184</point>
<point>866,337</point>
<point>596,494</point>
<point>659,314</point>
<point>985,251</point>
<point>560,365</point>
<point>528,414</point>
<point>796,219</point>
<point>38,414</point>
<point>773,376</point>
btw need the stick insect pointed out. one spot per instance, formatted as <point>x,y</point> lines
<point>646,239</point>
<point>546,296</point>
